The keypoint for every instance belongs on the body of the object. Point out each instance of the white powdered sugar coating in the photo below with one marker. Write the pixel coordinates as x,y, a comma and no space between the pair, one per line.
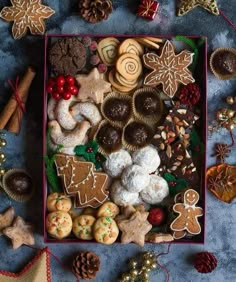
52,103
117,162
147,158
134,178
63,114
156,191
121,196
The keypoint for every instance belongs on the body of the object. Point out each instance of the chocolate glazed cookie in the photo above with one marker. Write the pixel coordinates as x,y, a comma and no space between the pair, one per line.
67,56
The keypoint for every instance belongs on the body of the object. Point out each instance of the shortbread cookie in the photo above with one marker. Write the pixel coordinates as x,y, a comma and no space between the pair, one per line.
70,138
115,83
130,46
148,42
123,81
88,111
63,114
79,179
129,66
148,158
116,162
105,230
108,209
20,233
58,202
157,238
156,191
135,179
59,224
121,196
6,218
187,220
135,228
169,75
107,49
83,227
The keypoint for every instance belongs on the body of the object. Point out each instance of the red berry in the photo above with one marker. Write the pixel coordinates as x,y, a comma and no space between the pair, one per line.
49,89
75,90
66,95
60,80
60,89
51,81
56,95
69,88
156,216
70,79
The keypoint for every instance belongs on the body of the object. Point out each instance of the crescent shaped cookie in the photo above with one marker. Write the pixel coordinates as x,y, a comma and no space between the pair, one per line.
63,114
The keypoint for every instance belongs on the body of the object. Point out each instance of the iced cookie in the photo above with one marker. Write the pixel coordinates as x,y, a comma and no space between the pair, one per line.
58,202
156,191
105,230
59,224
148,158
121,196
82,227
108,209
116,162
134,178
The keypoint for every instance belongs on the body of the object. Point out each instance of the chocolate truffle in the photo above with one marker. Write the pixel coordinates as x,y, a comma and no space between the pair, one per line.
117,109
137,134
19,183
147,103
224,62
109,137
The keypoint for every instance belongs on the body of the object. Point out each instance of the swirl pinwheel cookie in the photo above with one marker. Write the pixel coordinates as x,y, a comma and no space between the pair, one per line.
168,69
107,49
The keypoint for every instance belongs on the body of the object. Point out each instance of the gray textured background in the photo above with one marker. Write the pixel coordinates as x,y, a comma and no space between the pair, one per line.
25,149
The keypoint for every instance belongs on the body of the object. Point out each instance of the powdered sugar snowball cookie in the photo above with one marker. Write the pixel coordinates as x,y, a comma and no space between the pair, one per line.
156,191
134,178
121,196
116,162
148,158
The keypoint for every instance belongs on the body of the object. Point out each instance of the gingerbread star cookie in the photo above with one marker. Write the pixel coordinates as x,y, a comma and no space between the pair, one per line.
92,86
169,69
135,228
6,218
26,14
20,233
186,6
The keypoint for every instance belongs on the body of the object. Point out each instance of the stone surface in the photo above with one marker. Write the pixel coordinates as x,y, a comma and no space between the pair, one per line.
25,150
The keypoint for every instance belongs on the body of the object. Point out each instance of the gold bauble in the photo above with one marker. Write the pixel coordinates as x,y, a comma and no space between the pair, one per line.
134,273
2,171
147,262
153,265
146,255
2,157
3,142
126,277
148,269
133,263
230,113
230,100
145,275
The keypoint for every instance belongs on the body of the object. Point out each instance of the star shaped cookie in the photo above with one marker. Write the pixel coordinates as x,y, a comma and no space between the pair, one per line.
26,14
135,228
186,6
169,69
20,233
6,218
92,86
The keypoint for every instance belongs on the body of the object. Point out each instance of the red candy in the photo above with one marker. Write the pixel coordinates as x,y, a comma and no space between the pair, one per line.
156,216
62,87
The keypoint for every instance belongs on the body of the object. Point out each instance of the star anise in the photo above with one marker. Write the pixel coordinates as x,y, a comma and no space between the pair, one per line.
221,152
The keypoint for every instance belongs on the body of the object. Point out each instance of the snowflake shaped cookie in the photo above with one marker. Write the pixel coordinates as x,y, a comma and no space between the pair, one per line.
169,69
26,14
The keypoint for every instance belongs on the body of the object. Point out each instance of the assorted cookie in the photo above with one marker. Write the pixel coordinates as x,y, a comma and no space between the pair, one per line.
107,108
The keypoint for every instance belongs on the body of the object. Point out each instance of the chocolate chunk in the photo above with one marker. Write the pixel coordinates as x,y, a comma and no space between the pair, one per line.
109,137
147,103
19,183
117,109
225,62
67,56
137,134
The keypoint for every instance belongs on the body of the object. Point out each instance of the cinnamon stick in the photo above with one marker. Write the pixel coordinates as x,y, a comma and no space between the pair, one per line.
12,113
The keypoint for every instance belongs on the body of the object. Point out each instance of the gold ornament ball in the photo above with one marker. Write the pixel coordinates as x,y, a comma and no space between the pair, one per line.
2,171
145,275
144,280
134,273
230,100
230,126
126,277
153,265
3,142
230,113
133,263
219,115
147,262
2,157
148,269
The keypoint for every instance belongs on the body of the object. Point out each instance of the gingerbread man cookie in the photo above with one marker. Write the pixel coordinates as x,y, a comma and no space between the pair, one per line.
187,221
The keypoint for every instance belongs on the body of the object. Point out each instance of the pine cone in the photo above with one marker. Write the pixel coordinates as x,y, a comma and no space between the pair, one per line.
189,94
95,11
86,265
205,262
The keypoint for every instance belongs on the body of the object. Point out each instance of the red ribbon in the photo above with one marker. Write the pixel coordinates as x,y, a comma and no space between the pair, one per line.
147,6
227,20
162,266
20,103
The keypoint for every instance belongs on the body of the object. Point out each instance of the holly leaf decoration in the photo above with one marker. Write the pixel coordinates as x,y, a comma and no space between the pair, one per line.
196,146
176,185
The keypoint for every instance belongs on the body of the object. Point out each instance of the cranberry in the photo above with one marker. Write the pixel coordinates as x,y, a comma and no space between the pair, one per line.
56,95
60,89
70,79
66,95
49,89
51,81
69,88
75,90
60,80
